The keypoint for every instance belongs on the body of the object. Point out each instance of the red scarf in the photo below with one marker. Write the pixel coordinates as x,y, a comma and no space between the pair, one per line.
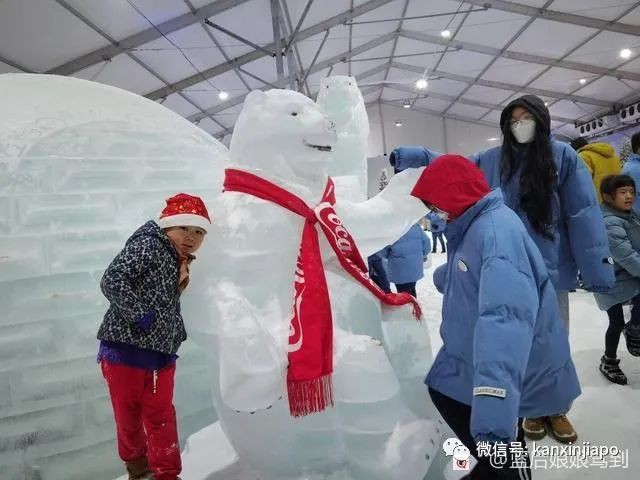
310,348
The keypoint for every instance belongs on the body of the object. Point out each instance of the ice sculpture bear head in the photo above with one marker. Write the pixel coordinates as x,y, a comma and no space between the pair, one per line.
339,96
283,134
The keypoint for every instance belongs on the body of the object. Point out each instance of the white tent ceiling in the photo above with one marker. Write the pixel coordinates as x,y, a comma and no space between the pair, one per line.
566,51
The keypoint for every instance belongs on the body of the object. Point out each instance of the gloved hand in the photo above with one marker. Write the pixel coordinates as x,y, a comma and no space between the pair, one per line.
145,323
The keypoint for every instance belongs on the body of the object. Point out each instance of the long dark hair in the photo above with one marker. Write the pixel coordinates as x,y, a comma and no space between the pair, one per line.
537,177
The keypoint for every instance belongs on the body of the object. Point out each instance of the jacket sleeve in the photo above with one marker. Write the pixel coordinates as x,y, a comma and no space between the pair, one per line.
426,244
585,225
123,272
440,277
502,341
622,251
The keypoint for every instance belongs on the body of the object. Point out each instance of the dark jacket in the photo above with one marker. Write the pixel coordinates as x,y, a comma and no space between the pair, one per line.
411,157
143,278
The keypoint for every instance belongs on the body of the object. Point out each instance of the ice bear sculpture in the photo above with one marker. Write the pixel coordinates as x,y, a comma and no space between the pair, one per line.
340,98
81,166
375,430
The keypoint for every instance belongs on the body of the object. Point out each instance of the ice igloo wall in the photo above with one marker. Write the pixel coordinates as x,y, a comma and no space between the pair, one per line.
81,166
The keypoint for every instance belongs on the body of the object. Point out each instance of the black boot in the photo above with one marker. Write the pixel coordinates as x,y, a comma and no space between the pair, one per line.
610,368
632,337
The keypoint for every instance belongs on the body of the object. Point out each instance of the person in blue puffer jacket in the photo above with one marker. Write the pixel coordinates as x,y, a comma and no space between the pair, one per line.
505,352
405,259
437,227
550,189
632,166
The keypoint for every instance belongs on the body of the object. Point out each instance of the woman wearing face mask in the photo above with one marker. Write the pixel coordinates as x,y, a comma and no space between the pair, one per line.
550,189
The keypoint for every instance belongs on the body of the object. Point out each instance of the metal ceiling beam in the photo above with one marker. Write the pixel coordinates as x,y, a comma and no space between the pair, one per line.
449,116
146,36
97,29
255,55
495,58
15,65
522,57
558,16
503,85
315,57
591,37
238,100
395,42
300,22
236,69
463,100
277,39
291,45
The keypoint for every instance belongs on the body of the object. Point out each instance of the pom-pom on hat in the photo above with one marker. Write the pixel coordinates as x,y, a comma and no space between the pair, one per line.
451,183
184,210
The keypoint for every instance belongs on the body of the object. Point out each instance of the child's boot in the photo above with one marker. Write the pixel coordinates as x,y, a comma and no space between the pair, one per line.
610,368
138,468
632,336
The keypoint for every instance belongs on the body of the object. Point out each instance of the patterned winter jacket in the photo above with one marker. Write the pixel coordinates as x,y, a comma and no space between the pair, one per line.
143,278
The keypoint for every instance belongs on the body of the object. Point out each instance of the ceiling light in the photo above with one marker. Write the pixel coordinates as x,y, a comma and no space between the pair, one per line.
625,53
583,81
493,139
398,123
421,84
546,104
445,34
406,104
223,95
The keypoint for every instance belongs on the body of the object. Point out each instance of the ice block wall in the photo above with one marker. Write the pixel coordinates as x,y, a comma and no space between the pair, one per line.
81,166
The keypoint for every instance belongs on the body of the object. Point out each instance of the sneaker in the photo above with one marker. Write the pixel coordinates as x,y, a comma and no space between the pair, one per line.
632,337
535,428
562,429
610,368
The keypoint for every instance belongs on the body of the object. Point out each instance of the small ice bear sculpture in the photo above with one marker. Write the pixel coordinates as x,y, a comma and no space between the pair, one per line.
340,98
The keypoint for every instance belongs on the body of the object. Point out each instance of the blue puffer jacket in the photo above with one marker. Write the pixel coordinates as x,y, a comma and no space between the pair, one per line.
437,224
632,168
580,237
411,157
623,230
405,256
505,352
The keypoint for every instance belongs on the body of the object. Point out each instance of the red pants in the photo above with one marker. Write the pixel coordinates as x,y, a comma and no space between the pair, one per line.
145,416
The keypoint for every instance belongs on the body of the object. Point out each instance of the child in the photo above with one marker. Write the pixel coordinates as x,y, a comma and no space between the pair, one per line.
505,353
141,333
623,228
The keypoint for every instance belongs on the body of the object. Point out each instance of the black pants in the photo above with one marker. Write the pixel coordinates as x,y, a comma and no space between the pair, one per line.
458,417
378,274
436,236
407,287
616,325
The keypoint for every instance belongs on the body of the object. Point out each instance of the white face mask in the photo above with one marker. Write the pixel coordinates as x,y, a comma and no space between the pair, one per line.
524,130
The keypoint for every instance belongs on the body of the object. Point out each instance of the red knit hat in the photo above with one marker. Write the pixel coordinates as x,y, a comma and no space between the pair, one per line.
451,183
184,210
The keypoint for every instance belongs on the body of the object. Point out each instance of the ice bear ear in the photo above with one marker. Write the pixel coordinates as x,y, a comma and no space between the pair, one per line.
255,98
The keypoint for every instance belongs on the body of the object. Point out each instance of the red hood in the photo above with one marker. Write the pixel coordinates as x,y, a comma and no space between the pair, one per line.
452,183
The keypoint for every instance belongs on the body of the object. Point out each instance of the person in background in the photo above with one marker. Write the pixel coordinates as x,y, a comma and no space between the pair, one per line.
600,158
405,259
624,151
505,352
551,191
623,229
632,166
142,330
437,226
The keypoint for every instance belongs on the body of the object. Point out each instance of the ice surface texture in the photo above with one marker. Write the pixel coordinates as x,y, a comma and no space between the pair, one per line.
340,98
379,428
81,166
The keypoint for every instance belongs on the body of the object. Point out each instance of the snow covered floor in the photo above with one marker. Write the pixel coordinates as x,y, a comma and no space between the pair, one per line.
604,415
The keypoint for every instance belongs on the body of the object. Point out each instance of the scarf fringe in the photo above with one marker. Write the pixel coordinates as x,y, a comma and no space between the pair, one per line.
310,396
